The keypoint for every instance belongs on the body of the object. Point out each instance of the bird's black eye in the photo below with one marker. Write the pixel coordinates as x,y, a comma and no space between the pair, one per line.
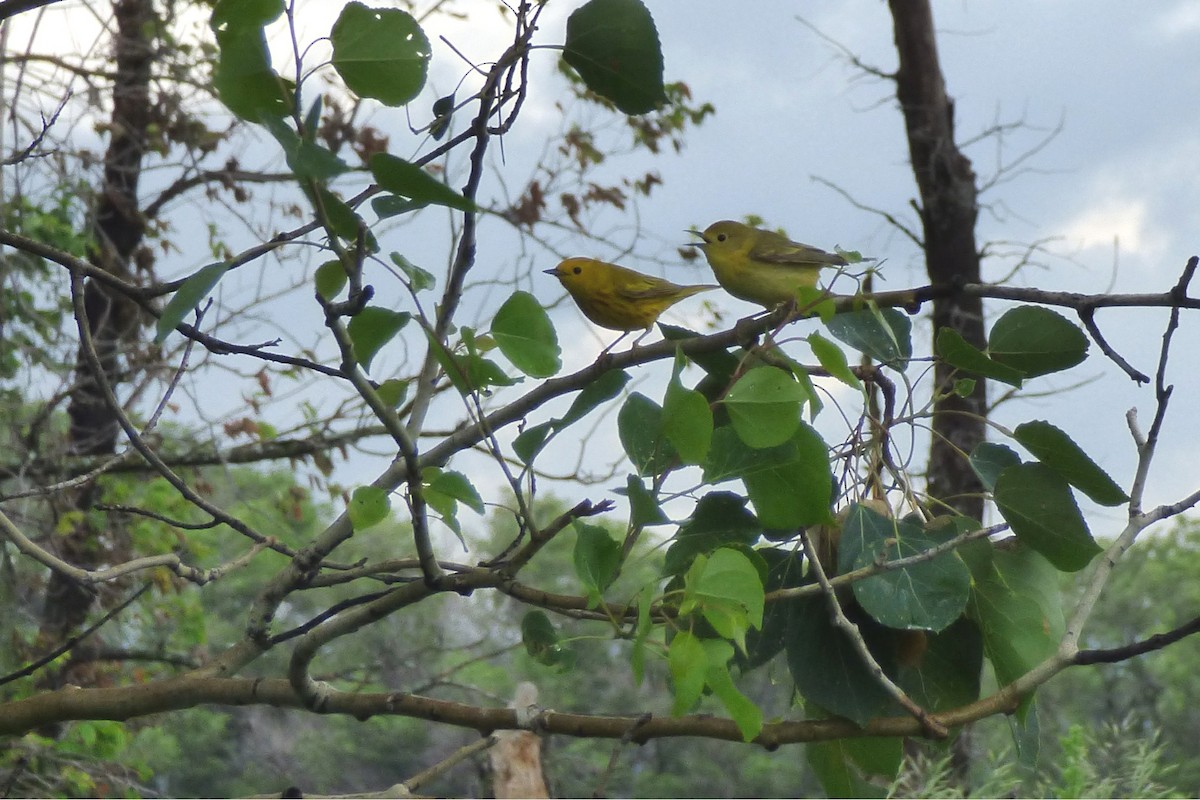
578,270
720,237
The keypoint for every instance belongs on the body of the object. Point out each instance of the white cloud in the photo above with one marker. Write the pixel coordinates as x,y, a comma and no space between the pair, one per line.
1180,21
1112,217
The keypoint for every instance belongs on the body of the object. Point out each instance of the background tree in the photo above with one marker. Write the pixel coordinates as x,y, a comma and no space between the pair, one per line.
743,556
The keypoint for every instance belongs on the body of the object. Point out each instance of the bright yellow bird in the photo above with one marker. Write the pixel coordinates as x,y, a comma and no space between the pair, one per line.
761,266
618,298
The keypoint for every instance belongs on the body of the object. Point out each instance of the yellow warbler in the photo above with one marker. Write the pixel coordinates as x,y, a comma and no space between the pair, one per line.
761,266
618,298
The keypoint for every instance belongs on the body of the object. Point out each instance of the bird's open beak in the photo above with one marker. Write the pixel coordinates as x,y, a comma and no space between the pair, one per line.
695,244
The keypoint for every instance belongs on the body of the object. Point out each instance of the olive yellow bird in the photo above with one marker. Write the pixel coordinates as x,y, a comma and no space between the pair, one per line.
761,266
618,298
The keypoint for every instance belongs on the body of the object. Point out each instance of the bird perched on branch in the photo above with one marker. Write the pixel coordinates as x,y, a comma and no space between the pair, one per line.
617,298
761,266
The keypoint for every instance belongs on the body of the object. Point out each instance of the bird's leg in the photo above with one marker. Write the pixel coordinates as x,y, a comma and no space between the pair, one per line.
616,342
644,334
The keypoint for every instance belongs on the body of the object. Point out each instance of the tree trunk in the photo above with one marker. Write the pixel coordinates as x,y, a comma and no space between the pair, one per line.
949,209
118,229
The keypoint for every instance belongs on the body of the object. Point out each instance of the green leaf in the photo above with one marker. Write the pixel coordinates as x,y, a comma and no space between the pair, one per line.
719,519
455,485
745,714
245,13
826,668
834,768
305,157
833,360
540,638
1017,604
386,206
393,391
443,112
791,485
601,390
1037,341
687,420
727,589
614,47
929,595
947,674
1026,732
471,372
408,180
372,328
764,406
639,427
243,77
810,392
958,352
189,295
369,505
643,506
536,628
641,634
330,278
785,570
529,442
418,278
1057,450
1037,503
525,335
342,219
380,53
688,663
989,460
597,560
964,387
883,334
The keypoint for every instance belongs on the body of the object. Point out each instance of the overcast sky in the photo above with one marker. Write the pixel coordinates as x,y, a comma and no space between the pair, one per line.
1113,192
1118,79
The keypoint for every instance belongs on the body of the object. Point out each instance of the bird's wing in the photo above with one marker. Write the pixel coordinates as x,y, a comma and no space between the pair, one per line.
776,249
645,289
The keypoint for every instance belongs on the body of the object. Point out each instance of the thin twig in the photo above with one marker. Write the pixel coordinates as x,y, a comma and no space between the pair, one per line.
1087,315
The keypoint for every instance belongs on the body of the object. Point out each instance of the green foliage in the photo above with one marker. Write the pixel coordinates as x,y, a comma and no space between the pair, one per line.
613,45
524,334
371,329
597,559
380,53
368,506
929,595
687,420
188,296
884,334
958,352
832,359
243,78
1039,506
409,181
1056,450
705,587
1016,603
764,407
1036,341
1111,761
